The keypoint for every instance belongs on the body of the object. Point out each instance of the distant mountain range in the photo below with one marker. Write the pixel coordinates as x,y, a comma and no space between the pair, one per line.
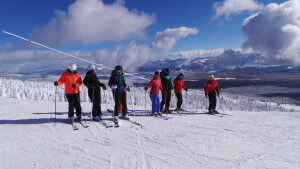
217,60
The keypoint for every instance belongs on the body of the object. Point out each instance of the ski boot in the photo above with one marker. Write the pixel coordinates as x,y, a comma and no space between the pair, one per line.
96,118
116,121
125,117
216,112
77,119
100,117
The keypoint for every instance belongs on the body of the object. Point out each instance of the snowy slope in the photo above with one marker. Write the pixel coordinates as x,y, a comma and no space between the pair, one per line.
29,139
254,134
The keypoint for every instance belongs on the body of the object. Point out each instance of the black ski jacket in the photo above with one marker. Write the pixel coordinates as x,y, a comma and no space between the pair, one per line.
92,82
166,82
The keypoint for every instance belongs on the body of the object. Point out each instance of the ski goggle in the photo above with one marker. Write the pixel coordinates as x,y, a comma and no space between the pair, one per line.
181,77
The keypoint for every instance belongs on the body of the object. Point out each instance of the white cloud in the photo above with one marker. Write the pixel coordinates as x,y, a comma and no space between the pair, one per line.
91,21
275,32
137,55
168,38
231,7
131,57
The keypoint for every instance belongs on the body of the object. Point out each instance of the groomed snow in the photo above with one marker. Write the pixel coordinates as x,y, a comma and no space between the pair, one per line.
29,139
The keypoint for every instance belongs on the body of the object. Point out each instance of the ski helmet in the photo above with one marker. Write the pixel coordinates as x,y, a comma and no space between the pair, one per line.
168,70
72,66
180,75
92,67
119,68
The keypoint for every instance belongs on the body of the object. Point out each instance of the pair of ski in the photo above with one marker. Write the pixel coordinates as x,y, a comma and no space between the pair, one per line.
75,127
218,114
164,117
117,124
161,116
129,120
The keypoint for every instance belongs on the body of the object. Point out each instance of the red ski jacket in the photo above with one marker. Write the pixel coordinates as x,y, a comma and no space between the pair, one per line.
210,86
68,79
179,85
155,85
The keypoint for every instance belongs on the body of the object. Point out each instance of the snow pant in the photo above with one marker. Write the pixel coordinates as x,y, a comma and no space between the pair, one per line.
212,100
120,98
166,98
74,102
179,100
155,102
95,97
121,106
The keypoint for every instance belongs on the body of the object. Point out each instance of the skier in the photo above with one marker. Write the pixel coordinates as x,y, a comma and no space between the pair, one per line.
167,86
211,90
72,80
118,85
155,85
178,86
93,84
124,76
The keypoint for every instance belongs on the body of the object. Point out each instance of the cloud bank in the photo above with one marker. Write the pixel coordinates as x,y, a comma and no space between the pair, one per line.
135,55
91,21
232,7
130,57
275,32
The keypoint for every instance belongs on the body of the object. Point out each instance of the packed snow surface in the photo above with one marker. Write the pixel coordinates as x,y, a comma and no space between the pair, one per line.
29,138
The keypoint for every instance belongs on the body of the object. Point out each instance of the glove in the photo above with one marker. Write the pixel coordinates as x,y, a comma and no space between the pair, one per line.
114,86
206,96
103,87
146,87
55,83
127,88
186,89
73,85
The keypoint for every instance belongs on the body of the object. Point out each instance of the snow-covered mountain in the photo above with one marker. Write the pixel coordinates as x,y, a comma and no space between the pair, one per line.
216,61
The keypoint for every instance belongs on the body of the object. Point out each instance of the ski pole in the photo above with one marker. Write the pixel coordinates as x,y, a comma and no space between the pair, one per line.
145,102
55,103
78,98
105,101
130,98
220,100
91,116
186,99
222,104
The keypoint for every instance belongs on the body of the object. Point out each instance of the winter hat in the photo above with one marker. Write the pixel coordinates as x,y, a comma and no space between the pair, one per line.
72,66
156,72
92,67
119,68
212,76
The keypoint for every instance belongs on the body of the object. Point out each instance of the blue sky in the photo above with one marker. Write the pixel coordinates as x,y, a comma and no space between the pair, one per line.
134,32
21,17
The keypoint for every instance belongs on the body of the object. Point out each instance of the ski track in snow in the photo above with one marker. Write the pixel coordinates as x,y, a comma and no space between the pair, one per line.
30,139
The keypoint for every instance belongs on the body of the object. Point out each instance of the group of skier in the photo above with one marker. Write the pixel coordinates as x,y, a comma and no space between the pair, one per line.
161,81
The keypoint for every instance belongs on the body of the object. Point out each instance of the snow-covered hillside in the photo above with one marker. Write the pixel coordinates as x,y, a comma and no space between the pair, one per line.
193,99
29,138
